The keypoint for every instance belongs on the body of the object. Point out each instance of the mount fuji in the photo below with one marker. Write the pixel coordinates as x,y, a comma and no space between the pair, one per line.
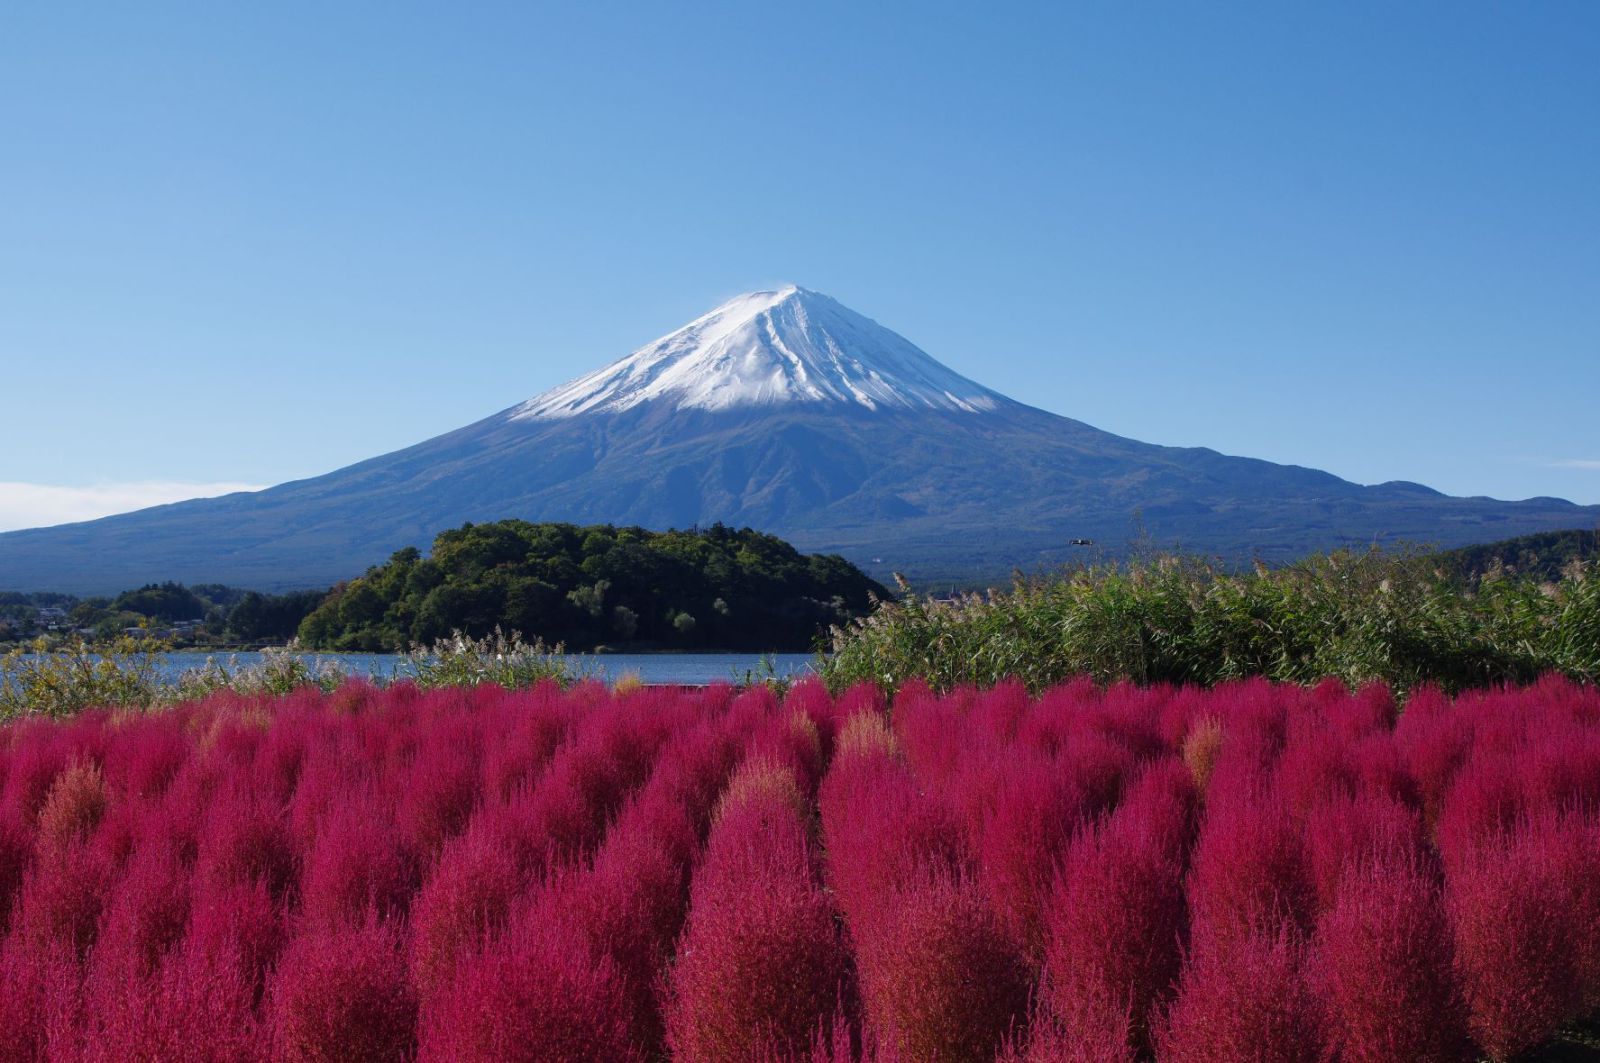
785,411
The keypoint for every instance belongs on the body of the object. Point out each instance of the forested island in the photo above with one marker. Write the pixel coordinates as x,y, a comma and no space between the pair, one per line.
598,586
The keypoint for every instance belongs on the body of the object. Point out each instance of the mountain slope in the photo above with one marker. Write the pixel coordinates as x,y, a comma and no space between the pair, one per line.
790,413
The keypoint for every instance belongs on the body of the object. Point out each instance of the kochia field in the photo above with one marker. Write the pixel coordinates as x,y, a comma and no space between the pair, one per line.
1251,872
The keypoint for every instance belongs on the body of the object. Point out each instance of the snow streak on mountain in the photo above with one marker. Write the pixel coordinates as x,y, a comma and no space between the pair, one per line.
770,349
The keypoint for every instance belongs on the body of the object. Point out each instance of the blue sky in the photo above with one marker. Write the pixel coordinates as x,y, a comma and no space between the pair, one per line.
244,244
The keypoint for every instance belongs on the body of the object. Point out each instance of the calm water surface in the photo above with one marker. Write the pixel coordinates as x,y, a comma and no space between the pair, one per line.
689,668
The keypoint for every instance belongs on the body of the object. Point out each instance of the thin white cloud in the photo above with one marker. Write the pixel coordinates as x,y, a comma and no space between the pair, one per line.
25,505
1577,463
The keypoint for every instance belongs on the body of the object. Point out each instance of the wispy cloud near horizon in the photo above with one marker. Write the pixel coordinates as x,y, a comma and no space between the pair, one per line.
29,505
1576,463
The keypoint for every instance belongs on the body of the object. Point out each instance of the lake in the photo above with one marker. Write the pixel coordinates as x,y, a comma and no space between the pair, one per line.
691,669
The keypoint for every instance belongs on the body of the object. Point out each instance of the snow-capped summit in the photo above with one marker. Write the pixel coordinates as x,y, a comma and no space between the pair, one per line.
764,349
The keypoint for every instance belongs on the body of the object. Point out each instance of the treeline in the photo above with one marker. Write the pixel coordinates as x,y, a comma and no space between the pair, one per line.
209,613
712,588
1546,556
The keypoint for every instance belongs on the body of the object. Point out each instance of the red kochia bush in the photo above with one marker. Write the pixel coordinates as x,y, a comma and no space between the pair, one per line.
1243,997
1038,805
63,894
1382,967
1358,832
467,896
196,1005
760,968
16,852
146,917
341,994
1523,916
562,875
38,999
1249,868
359,863
539,993
939,980
73,807
245,839
1115,926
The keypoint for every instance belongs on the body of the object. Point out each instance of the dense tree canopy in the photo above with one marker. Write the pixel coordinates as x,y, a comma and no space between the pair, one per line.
704,588
162,601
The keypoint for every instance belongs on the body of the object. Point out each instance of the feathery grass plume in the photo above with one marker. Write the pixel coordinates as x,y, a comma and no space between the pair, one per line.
1381,965
502,659
1518,907
1243,997
938,980
1115,925
340,995
760,967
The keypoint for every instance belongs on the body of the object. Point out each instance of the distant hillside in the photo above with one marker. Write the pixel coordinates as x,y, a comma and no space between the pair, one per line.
204,614
715,588
1544,556
785,411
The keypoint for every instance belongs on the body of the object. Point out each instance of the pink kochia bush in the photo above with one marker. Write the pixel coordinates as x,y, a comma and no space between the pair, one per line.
760,968
1253,872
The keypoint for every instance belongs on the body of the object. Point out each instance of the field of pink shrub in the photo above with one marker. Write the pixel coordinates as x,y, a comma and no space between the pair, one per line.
1253,872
